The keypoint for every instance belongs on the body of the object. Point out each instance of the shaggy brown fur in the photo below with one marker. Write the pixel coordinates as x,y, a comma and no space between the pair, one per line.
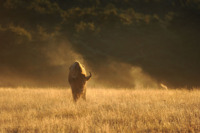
77,79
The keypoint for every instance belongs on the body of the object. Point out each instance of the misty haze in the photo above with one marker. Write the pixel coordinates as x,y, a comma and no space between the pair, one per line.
40,39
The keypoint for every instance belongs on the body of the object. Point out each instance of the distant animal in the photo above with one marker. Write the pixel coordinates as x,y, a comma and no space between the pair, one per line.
77,79
164,86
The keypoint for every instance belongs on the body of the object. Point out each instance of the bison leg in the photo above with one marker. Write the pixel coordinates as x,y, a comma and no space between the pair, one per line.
75,97
84,95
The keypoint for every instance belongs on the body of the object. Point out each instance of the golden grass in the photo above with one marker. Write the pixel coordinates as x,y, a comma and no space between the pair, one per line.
106,110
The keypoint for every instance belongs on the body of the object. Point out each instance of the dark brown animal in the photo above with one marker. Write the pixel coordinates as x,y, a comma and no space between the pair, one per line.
77,79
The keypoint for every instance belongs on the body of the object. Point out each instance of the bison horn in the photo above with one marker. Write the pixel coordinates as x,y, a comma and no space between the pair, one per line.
88,77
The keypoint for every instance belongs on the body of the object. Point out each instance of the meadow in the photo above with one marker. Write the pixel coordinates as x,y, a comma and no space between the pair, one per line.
106,110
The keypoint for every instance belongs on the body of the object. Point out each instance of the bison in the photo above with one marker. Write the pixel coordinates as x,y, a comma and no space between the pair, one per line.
77,79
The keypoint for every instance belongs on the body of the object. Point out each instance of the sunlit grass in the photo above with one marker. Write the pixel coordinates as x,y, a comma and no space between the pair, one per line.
106,110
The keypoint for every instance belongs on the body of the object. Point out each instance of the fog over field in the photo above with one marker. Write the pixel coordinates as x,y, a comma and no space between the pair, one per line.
124,43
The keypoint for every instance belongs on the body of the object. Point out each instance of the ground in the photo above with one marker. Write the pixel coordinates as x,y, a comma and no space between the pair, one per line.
106,110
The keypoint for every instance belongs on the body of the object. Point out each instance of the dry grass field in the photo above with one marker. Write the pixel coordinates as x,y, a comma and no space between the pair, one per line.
106,110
